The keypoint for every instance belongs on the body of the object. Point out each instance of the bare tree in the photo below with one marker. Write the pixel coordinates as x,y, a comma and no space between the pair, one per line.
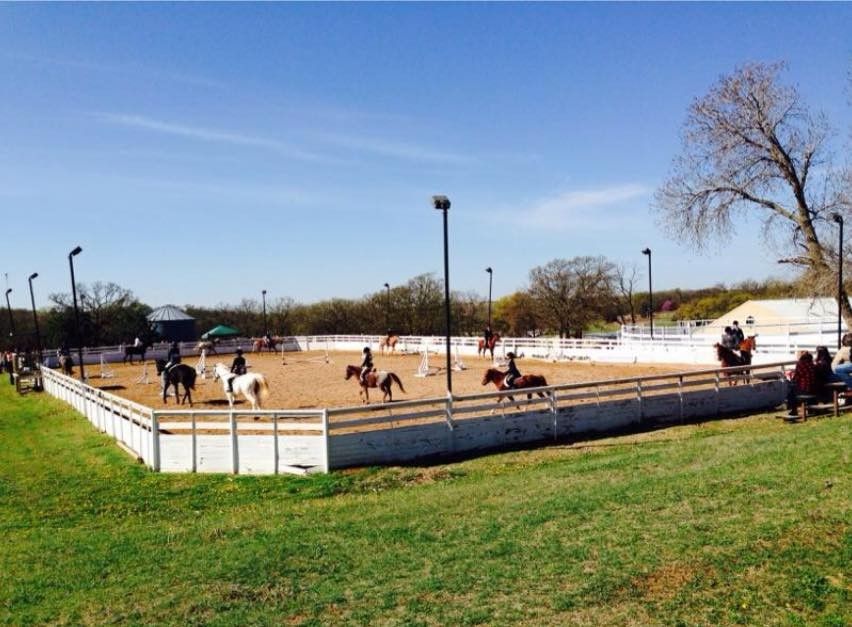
625,279
751,146
570,293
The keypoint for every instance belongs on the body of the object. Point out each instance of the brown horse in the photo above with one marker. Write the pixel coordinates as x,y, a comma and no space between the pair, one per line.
491,344
389,343
729,359
381,380
260,343
497,377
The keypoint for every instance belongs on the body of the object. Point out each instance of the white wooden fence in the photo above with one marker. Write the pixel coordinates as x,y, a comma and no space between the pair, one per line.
273,441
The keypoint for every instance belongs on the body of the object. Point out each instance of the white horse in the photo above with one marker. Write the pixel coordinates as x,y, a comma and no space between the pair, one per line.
252,386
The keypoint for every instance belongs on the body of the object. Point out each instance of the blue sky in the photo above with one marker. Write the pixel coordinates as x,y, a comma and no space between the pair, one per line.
202,152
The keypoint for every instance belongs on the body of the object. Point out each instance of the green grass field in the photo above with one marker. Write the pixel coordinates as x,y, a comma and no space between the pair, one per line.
731,522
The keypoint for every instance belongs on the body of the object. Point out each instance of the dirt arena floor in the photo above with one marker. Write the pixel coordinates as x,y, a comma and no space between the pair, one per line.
306,381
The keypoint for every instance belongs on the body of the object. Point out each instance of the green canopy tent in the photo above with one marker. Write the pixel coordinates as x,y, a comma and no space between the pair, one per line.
219,332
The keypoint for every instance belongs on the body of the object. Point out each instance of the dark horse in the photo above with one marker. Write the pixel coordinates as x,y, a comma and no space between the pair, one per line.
491,344
130,351
179,374
381,380
729,358
497,377
66,362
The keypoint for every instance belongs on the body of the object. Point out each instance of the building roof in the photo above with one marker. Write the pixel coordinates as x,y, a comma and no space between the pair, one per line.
791,309
168,313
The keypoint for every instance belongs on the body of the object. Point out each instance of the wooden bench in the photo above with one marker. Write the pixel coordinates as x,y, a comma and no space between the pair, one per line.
838,389
25,381
802,402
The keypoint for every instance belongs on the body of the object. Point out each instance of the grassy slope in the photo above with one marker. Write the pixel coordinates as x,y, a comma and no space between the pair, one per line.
739,521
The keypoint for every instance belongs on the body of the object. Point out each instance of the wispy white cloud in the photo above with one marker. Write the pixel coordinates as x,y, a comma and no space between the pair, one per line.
213,135
580,208
397,150
123,70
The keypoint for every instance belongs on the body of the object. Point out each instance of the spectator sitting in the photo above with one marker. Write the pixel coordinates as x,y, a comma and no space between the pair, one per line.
842,362
823,371
804,380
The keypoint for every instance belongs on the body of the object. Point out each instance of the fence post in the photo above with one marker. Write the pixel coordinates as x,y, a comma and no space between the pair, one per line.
680,395
450,423
235,453
554,408
325,438
194,444
275,454
155,442
639,399
717,392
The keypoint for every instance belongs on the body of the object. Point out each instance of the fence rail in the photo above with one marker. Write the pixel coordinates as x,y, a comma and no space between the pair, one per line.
300,441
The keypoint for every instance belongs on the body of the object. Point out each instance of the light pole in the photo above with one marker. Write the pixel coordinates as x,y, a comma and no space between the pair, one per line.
839,219
11,320
265,326
442,203
647,251
490,276
71,256
35,317
387,308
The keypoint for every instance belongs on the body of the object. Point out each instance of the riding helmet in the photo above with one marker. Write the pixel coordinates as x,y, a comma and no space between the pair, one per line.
366,350
510,355
239,351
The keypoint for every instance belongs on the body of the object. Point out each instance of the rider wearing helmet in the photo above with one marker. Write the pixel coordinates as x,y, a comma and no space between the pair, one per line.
238,367
487,335
366,364
172,359
512,371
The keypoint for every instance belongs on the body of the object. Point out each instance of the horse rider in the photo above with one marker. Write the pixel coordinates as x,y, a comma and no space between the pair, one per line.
366,364
172,359
737,332
488,334
137,342
512,372
267,339
729,341
238,368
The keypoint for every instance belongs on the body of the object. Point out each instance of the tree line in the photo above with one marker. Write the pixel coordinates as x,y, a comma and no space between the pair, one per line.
564,297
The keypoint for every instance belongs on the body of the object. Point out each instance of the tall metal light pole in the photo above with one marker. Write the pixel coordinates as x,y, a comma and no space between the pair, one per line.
265,326
71,256
647,251
442,203
11,320
35,317
839,219
387,308
490,276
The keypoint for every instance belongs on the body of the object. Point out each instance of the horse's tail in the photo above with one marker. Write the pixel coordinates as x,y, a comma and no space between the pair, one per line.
261,387
398,382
